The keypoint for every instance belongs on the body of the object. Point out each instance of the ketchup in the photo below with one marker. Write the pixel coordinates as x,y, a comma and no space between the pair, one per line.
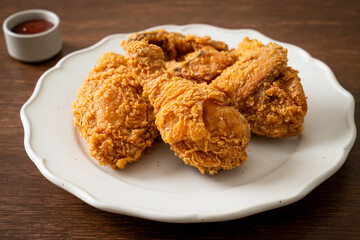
32,27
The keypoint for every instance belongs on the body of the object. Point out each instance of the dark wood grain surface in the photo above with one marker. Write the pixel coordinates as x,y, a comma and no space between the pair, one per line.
31,207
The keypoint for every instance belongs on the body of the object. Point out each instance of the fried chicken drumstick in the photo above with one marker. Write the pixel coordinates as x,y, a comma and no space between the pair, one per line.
110,113
195,119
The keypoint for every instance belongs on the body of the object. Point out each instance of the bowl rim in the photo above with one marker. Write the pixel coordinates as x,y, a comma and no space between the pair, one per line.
41,13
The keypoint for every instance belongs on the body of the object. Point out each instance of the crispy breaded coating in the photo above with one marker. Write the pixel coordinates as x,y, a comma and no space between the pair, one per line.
265,90
195,119
277,109
252,69
111,114
191,57
204,64
175,45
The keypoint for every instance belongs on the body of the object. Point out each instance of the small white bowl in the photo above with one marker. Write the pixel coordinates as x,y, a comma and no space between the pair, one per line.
32,47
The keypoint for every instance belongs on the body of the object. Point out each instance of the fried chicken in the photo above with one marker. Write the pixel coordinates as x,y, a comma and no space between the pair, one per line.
265,90
271,109
204,64
175,45
195,119
191,57
111,114
277,109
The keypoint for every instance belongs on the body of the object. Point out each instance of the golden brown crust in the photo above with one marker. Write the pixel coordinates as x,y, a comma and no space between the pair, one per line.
277,109
242,79
175,45
110,113
195,119
204,64
265,90
191,57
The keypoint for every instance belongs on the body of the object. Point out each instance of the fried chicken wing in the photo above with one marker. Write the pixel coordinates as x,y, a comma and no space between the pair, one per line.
175,45
195,119
265,90
110,113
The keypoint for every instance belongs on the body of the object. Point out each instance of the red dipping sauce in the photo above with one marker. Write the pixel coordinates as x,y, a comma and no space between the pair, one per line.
32,27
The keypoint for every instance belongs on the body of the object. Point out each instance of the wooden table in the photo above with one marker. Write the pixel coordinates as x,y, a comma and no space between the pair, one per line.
31,207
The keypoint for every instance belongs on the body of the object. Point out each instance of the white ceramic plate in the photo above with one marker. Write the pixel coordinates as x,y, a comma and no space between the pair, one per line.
160,187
